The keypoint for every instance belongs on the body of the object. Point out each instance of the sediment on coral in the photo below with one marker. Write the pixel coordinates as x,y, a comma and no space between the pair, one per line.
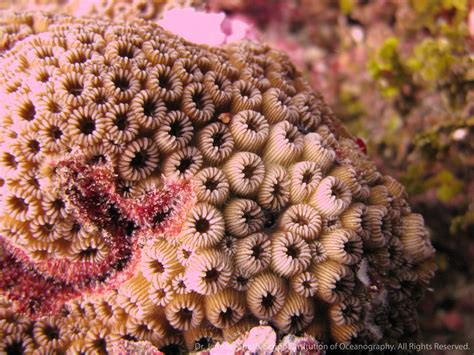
154,190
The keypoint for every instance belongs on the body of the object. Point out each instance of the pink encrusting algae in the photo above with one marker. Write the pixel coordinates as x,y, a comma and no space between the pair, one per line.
163,191
42,287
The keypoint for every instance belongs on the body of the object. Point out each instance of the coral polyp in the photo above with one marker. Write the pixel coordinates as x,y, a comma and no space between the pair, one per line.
158,190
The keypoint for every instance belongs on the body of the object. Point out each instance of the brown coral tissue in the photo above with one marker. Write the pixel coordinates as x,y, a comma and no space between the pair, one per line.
132,211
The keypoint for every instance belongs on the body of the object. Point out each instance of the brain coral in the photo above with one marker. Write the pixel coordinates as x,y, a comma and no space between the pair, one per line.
153,189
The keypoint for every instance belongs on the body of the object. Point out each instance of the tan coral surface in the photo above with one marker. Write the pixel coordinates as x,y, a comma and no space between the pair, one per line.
117,10
292,225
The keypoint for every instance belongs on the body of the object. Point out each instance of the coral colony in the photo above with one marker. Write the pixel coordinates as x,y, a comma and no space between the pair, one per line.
157,190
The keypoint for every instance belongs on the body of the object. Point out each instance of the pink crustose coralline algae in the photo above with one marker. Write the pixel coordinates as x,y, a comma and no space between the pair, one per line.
157,190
